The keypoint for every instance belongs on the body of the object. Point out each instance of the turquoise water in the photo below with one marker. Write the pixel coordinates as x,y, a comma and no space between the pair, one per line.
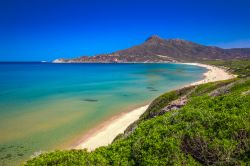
47,106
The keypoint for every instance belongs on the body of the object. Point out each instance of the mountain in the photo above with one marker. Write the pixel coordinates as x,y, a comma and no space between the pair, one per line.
156,49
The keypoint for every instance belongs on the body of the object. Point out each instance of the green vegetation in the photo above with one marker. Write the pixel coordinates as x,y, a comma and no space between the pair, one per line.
213,128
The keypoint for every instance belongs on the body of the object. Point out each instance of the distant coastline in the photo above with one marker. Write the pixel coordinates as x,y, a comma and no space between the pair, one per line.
105,133
159,50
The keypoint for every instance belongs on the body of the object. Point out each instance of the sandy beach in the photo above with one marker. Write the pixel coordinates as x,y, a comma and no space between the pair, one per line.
213,74
105,134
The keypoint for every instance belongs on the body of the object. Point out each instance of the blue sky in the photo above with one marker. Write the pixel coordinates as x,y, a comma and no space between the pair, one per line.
34,30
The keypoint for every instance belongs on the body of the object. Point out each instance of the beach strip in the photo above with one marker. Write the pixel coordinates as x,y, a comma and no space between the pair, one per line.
106,134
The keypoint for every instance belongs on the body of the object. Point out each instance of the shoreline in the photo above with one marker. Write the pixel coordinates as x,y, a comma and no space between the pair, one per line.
213,74
104,134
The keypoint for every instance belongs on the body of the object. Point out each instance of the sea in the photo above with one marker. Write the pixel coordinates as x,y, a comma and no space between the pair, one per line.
47,106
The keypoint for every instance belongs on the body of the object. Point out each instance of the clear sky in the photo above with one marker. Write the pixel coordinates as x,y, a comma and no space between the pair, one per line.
33,30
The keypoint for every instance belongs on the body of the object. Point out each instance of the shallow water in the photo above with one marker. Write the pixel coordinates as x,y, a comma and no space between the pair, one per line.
47,106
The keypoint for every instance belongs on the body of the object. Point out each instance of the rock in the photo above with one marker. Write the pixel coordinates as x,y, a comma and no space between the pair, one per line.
90,100
222,90
246,92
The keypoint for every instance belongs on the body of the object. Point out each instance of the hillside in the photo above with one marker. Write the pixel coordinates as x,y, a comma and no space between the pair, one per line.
212,127
156,49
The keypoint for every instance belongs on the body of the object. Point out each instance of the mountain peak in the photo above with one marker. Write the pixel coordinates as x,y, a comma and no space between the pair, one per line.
179,41
154,38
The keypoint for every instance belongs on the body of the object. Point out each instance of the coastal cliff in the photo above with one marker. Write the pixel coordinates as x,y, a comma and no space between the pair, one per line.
157,50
